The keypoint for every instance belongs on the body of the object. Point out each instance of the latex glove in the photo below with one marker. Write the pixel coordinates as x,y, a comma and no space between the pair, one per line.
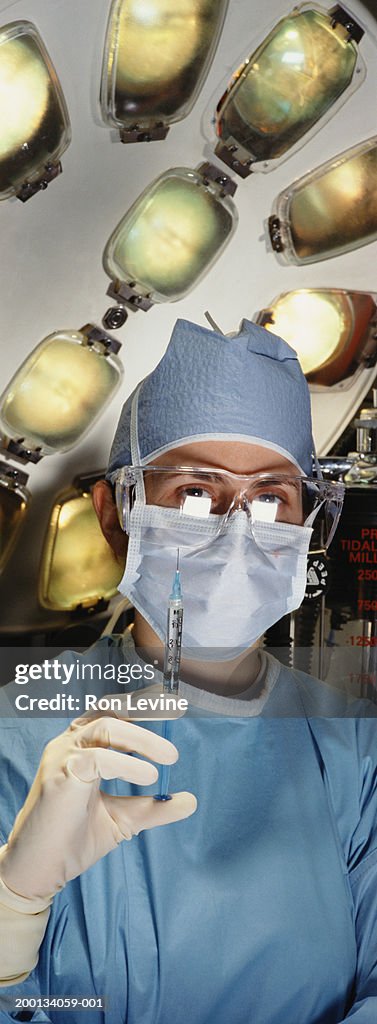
67,823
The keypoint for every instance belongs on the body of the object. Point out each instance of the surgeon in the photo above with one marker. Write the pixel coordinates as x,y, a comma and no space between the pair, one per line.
250,897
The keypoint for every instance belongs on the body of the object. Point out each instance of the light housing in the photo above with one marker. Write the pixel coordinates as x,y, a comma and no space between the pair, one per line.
332,330
171,236
35,126
329,211
14,500
59,391
157,55
295,80
78,567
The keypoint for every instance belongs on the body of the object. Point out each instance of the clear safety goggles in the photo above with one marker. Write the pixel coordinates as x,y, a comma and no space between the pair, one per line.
203,492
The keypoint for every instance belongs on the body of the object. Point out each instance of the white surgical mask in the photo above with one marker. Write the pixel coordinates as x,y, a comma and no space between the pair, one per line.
236,584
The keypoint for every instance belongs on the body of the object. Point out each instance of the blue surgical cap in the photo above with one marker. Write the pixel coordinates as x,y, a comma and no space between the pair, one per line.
248,387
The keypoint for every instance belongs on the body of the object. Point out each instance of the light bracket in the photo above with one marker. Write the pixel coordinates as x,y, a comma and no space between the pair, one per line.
274,230
341,17
29,189
128,299
14,474
211,173
97,335
139,133
19,451
236,157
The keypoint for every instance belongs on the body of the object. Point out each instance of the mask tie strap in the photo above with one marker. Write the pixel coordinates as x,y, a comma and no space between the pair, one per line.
134,440
319,476
317,467
313,515
120,607
135,450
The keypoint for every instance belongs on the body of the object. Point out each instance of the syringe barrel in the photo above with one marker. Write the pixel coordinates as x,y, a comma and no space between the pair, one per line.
173,645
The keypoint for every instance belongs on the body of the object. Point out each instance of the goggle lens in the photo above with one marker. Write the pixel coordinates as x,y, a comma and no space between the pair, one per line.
201,493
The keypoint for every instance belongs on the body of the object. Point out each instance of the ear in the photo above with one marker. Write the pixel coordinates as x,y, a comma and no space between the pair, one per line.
107,516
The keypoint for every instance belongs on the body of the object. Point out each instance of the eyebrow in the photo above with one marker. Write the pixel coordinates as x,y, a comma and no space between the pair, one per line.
216,474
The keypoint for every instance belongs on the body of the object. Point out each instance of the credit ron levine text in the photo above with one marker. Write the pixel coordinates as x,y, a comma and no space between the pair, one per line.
130,704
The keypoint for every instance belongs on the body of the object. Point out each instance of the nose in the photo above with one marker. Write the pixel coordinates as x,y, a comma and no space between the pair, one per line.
239,504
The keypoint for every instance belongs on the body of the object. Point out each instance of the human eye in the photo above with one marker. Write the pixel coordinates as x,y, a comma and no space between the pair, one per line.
197,499
195,491
202,494
269,492
184,491
281,495
269,498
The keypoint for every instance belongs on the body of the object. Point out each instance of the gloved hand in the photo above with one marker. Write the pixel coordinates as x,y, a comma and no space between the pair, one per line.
67,823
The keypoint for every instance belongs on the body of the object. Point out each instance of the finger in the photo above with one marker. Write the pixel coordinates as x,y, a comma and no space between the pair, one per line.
113,732
93,763
134,813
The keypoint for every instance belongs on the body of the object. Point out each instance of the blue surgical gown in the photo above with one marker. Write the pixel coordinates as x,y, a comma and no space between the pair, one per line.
261,908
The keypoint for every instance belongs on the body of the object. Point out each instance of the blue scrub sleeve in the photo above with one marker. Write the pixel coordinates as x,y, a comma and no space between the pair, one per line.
362,876
39,1017
363,880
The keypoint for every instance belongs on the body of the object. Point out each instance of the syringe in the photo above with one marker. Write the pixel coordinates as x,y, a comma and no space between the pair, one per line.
172,661
173,644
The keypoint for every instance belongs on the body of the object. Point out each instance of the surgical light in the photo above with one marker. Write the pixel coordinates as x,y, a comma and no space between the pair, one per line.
157,55
298,76
333,331
329,211
59,391
78,567
170,237
14,499
35,127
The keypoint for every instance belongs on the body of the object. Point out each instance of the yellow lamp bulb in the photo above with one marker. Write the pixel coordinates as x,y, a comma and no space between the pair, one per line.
24,94
157,39
58,392
156,57
78,566
312,324
170,236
